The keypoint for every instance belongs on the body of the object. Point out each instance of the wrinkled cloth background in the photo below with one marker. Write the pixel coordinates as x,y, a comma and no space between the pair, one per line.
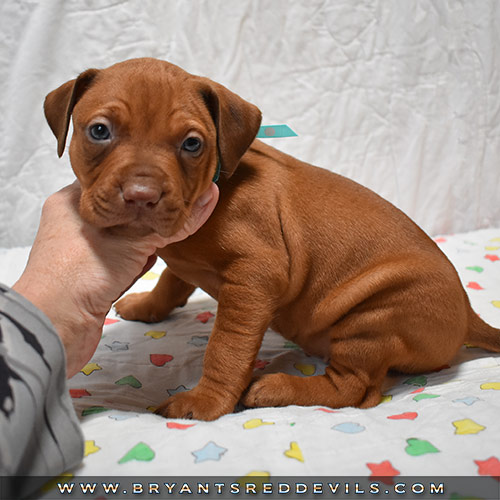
403,97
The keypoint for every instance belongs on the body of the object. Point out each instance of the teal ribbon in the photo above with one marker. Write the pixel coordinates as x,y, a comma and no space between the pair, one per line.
265,132
275,131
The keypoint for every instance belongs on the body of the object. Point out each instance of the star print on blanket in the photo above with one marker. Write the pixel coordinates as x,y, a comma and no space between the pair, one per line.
443,423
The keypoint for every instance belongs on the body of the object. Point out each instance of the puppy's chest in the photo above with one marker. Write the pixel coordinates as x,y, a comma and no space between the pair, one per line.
196,273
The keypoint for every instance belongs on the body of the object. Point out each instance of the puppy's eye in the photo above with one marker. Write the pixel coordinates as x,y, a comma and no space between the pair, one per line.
191,145
99,132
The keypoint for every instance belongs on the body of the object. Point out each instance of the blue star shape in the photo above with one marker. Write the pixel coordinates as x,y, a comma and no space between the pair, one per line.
469,400
198,340
118,346
210,451
181,388
119,416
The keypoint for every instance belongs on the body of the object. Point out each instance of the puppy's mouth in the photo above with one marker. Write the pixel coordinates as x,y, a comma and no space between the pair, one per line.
136,208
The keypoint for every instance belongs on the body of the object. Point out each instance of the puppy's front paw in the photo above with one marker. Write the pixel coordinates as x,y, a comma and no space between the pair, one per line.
194,405
140,307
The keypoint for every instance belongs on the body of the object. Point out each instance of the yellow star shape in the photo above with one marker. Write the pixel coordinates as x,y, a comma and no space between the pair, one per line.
90,368
90,447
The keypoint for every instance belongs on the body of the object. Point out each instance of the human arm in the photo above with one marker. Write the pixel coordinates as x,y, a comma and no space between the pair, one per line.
75,271
50,324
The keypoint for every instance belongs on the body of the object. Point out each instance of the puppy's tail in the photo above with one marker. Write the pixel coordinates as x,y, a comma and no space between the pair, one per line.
483,335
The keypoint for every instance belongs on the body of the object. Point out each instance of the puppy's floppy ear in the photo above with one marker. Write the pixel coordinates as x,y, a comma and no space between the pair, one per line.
60,102
236,120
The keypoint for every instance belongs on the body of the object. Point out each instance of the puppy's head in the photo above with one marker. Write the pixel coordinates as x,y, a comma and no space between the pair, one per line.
147,141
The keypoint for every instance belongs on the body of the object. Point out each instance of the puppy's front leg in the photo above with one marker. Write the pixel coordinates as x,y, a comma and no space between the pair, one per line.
170,292
243,316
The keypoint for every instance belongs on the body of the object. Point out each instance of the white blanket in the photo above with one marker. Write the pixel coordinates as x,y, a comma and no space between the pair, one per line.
440,424
403,97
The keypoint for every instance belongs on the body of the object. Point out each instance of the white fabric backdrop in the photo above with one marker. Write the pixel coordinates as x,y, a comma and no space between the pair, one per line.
403,97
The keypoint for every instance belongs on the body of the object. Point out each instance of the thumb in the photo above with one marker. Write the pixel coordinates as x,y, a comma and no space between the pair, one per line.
203,208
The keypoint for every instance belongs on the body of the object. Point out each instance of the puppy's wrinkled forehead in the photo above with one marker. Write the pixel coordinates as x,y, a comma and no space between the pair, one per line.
147,98
148,101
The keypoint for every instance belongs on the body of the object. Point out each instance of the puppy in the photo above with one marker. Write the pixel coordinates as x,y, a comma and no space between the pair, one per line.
320,259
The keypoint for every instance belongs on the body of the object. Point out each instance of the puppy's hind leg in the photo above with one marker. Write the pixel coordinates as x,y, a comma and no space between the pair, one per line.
346,382
170,292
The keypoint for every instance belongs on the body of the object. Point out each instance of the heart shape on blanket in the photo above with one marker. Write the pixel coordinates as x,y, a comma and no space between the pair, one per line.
419,381
409,415
255,422
204,316
417,447
491,385
141,452
160,359
79,393
474,285
478,269
420,397
181,427
92,410
154,334
349,428
129,380
150,275
294,452
306,370
492,257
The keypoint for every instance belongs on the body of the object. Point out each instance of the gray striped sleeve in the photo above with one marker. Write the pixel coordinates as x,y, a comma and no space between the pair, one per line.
39,431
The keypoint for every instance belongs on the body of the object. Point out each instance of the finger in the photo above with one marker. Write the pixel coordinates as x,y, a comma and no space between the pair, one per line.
203,208
207,196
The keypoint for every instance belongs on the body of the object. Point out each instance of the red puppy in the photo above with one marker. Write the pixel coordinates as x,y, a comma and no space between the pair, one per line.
322,260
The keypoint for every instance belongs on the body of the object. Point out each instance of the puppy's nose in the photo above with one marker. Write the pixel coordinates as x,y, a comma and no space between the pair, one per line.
141,194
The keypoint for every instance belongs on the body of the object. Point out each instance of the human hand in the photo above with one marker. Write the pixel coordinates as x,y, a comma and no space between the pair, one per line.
75,271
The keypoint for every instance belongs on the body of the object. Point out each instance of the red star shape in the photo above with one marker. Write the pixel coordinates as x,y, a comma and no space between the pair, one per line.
490,467
384,471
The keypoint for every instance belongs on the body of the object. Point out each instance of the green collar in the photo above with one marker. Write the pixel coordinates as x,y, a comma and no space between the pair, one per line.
217,172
